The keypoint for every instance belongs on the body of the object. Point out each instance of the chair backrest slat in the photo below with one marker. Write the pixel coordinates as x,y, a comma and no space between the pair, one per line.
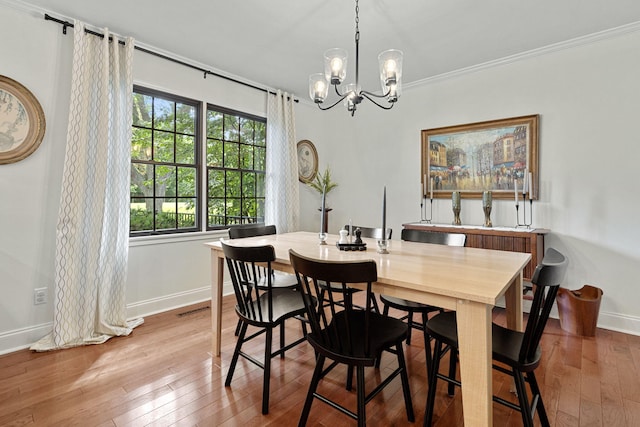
251,230
373,233
547,278
449,239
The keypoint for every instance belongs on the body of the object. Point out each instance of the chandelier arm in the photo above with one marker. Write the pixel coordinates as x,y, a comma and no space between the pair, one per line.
384,95
332,105
338,92
379,105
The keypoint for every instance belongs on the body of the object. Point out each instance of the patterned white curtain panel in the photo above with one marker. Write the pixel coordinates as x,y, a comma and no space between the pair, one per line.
282,206
92,241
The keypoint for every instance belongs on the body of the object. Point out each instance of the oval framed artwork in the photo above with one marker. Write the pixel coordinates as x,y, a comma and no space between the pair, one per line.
307,161
22,122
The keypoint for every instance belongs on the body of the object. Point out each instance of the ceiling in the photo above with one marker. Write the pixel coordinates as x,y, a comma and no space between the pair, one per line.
278,43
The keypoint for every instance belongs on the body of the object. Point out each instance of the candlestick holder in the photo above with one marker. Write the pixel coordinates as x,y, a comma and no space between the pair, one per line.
524,222
455,203
423,210
383,246
487,200
322,238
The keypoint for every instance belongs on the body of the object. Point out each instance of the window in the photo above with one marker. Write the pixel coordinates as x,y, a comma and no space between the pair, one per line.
168,151
236,157
164,163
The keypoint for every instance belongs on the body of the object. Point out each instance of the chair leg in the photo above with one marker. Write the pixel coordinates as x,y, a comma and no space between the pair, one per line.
236,353
374,303
453,360
404,377
282,339
238,326
349,385
362,415
525,408
427,342
385,310
315,379
433,380
410,323
535,390
267,371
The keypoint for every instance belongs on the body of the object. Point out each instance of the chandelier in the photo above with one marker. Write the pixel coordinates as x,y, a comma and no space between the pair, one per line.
335,70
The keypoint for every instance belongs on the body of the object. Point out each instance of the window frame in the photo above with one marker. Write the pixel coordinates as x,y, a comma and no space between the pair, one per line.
197,165
207,168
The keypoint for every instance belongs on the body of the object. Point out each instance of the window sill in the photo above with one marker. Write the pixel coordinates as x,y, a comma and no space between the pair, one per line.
177,238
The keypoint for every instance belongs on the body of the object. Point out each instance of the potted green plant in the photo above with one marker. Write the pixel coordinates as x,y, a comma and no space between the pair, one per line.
323,181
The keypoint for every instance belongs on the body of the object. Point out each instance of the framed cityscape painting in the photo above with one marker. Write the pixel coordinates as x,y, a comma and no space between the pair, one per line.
500,156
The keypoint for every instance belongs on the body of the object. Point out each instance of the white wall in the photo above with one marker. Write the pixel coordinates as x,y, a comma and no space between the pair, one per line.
587,97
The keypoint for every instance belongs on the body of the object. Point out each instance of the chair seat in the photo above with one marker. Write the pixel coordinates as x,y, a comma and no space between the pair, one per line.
286,303
506,342
348,342
406,305
279,280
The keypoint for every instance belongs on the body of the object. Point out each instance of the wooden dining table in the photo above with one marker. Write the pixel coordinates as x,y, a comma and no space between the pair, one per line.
467,280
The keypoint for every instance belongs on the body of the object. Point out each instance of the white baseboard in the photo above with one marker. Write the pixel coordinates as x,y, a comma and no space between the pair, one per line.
20,339
611,321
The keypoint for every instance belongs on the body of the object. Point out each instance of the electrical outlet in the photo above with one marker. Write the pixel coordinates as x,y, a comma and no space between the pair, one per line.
40,296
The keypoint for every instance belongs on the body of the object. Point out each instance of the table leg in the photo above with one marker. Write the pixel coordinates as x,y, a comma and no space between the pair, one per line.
217,282
474,341
513,304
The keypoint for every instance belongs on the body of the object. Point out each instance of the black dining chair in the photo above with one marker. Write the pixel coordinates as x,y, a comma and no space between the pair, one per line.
348,336
264,310
410,307
279,279
519,351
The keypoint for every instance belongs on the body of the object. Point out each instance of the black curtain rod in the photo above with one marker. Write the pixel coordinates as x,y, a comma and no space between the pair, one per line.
66,24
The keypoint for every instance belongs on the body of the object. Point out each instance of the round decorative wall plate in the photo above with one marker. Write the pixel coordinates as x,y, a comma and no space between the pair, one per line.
22,121
307,161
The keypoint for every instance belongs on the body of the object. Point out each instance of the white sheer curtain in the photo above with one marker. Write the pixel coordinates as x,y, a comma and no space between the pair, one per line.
282,206
92,240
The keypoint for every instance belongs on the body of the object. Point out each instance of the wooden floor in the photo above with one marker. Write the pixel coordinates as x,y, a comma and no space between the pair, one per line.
163,374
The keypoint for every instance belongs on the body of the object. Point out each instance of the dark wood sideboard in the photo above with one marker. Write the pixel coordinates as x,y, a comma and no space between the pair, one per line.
500,238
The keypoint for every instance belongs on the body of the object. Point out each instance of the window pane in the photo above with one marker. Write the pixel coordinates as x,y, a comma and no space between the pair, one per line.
249,209
214,124
246,130
185,149
185,119
186,182
216,213
260,158
248,184
260,209
163,150
231,126
142,110
259,185
261,134
214,153
233,184
246,157
216,183
164,116
165,181
140,144
165,214
141,215
141,180
234,212
186,213
231,155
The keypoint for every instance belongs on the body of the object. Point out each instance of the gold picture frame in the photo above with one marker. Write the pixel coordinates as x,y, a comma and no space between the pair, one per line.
307,161
22,122
495,155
